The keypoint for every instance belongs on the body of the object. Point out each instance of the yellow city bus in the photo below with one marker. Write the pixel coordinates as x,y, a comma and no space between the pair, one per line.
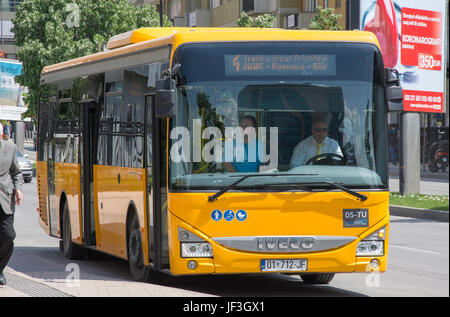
136,142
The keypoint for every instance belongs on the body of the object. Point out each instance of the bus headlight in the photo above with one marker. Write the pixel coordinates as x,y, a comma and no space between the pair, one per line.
373,245
192,246
370,248
196,250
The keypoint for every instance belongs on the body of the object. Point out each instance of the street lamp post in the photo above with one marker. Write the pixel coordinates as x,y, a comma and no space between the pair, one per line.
161,13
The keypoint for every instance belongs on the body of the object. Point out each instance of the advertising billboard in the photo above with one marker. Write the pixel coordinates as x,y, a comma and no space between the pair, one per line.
412,38
11,98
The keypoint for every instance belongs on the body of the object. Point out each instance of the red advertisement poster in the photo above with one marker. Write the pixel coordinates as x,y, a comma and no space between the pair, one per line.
421,38
426,101
411,35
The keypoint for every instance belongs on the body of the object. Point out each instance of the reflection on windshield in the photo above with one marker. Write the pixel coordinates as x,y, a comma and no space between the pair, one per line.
222,129
265,108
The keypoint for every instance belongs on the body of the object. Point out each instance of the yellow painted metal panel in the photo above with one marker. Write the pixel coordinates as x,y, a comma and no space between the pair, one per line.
112,201
274,214
290,213
67,180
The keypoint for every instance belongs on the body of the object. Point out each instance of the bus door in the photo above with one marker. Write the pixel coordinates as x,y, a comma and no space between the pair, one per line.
87,169
156,191
50,147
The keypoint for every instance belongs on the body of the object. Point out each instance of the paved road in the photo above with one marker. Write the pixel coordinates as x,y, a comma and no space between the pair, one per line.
418,266
428,186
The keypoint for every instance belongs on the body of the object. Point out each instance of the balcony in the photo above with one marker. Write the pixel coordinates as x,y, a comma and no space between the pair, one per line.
150,2
198,18
257,7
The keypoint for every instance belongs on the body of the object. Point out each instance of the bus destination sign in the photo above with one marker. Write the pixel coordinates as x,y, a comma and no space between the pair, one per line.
280,65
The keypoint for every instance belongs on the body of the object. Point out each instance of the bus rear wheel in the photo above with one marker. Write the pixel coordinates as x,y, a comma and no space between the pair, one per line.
317,278
138,270
71,250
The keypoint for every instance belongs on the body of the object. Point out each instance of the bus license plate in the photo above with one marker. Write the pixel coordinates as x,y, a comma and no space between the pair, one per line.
272,265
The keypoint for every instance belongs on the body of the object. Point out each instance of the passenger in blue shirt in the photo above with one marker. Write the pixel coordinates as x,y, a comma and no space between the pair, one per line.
251,148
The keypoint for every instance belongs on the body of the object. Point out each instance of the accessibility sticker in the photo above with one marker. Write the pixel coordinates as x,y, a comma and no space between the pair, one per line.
228,215
241,215
216,215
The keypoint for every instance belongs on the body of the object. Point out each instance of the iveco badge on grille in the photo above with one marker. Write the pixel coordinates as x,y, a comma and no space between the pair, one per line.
285,243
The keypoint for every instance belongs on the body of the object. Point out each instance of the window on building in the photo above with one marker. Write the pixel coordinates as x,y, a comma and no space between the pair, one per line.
9,5
309,5
215,3
175,8
248,5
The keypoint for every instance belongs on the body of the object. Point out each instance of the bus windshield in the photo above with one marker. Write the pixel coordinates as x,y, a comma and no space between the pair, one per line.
311,113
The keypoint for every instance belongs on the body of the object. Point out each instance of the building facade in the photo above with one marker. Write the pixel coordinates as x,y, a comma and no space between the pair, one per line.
289,14
7,13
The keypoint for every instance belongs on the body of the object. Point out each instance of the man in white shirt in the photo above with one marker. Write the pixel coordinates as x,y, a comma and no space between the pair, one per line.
317,143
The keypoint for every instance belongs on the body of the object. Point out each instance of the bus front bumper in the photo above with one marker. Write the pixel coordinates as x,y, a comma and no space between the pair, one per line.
228,260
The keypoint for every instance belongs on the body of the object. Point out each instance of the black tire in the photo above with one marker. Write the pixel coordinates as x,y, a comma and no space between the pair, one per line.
27,180
432,167
317,278
138,270
71,250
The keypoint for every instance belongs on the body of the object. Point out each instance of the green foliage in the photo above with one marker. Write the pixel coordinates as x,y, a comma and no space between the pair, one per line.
325,19
435,202
53,31
261,21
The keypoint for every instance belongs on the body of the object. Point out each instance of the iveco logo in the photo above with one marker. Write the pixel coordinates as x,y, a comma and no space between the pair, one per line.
285,243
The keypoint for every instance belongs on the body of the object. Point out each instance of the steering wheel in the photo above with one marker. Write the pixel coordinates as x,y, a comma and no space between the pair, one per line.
328,158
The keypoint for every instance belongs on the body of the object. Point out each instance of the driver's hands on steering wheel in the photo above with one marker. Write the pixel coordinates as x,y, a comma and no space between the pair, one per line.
330,157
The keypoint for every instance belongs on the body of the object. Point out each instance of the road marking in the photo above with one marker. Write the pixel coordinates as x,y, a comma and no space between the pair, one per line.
33,288
413,249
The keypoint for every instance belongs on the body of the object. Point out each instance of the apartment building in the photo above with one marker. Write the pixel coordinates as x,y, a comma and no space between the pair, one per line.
289,14
7,13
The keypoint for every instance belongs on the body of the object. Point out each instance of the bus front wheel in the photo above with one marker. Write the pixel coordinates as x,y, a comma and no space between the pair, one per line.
138,270
317,278
71,250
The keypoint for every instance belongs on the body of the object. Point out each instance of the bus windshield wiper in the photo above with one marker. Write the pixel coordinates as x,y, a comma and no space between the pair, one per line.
244,177
345,189
307,187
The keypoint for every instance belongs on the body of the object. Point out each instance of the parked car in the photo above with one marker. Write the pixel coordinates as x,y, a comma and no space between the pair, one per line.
26,167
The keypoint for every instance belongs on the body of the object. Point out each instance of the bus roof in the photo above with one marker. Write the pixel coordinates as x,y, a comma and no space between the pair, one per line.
145,38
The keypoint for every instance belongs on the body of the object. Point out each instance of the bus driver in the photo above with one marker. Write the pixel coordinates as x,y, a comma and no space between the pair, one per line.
317,143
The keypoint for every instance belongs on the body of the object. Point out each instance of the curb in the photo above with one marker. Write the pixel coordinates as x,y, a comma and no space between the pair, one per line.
429,214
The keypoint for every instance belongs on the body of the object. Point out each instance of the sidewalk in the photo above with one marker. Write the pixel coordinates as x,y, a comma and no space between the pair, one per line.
431,184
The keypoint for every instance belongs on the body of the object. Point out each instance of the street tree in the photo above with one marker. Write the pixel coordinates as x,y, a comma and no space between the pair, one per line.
261,21
325,19
53,31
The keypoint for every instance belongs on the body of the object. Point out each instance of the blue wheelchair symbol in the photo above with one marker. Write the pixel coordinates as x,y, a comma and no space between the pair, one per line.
228,215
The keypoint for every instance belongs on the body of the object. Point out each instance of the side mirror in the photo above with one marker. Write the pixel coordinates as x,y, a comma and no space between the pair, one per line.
165,98
394,91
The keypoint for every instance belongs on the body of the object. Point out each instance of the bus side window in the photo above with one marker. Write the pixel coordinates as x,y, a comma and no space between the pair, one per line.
135,88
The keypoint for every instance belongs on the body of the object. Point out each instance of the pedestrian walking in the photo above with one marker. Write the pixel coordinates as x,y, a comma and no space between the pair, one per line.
10,195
